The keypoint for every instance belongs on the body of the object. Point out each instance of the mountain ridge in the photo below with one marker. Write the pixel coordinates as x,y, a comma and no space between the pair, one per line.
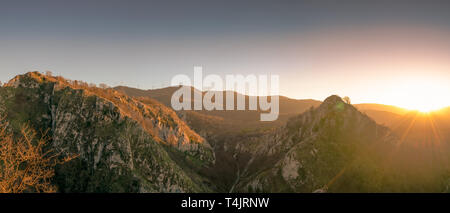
124,145
134,143
383,114
312,148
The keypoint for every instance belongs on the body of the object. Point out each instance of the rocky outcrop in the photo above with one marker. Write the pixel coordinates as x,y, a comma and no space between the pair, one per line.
315,148
124,145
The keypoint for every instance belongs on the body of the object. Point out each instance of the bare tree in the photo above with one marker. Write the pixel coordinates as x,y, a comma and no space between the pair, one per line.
24,165
103,86
48,73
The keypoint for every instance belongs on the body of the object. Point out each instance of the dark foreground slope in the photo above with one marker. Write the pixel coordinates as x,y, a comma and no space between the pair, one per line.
123,144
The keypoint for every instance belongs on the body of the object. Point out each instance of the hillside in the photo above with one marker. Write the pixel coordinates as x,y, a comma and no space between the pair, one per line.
244,146
336,148
233,121
382,114
123,144
314,148
135,143
384,118
381,107
229,132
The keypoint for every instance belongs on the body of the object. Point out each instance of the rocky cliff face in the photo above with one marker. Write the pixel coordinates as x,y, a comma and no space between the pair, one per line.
124,145
316,149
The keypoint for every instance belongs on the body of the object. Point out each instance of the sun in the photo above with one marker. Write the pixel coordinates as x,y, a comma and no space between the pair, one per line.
423,106
422,95
426,108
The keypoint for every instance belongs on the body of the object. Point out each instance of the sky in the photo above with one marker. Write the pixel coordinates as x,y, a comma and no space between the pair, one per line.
390,52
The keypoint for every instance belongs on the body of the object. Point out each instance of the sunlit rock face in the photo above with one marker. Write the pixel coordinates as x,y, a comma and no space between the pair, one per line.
123,144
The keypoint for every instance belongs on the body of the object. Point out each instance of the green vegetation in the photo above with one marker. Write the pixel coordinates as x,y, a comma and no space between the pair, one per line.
136,144
120,140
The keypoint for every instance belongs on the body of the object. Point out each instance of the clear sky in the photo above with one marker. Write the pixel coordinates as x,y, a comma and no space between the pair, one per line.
372,51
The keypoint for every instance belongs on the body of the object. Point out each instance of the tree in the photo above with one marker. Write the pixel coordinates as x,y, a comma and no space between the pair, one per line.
26,165
103,86
347,100
49,73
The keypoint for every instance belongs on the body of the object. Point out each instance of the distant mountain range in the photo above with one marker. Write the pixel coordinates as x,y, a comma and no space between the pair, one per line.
130,140
382,114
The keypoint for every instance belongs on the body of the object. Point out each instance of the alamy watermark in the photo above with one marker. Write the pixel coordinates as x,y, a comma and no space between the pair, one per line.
258,88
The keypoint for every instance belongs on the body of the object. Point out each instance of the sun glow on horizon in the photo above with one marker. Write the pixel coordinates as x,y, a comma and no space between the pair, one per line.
424,95
425,108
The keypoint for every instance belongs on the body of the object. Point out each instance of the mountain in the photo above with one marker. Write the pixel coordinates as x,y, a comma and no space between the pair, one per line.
130,140
384,118
236,119
250,153
381,107
314,149
124,145
382,114
336,148
229,132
